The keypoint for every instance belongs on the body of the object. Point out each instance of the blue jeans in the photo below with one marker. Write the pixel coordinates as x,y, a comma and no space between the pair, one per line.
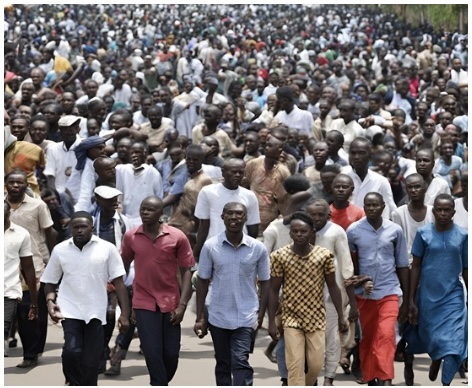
232,348
280,355
160,341
83,346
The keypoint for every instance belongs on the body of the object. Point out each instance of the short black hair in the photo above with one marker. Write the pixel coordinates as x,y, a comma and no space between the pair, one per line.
296,183
302,216
444,196
82,214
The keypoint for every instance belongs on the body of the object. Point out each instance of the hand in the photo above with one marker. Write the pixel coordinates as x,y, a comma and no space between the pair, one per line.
54,312
353,314
413,314
368,287
343,325
273,331
177,315
123,324
403,313
132,318
200,328
32,313
356,280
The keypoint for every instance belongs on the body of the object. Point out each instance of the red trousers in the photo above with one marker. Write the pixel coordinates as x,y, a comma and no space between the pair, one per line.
378,344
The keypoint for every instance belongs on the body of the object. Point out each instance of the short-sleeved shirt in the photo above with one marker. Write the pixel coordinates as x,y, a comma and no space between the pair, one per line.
233,271
83,290
156,263
17,244
303,281
345,217
380,252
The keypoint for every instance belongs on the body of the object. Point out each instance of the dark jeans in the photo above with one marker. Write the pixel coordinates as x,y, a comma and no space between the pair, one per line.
109,327
9,310
160,341
232,348
83,345
124,340
33,333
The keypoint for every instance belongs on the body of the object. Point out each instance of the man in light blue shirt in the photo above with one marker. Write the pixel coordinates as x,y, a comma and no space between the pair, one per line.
378,249
233,261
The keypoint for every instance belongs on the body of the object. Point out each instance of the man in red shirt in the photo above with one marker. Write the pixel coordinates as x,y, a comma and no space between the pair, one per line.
159,302
343,212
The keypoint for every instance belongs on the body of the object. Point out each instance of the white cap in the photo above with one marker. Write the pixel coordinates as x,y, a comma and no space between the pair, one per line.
67,121
107,192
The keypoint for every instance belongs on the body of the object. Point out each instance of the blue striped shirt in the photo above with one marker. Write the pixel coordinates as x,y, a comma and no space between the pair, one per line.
233,270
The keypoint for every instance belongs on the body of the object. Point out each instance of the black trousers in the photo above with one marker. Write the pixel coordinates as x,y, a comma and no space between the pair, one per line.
9,316
33,333
83,346
160,341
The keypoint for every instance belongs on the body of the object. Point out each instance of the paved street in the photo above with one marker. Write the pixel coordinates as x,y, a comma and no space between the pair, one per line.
196,364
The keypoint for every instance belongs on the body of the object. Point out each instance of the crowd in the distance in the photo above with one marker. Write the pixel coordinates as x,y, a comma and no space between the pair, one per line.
322,150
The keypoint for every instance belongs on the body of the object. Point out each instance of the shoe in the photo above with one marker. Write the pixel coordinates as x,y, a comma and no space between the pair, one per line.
28,363
360,380
345,364
284,382
114,370
408,374
12,343
434,370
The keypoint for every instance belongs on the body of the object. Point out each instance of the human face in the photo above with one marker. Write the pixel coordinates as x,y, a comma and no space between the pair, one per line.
342,188
324,109
150,212
373,207
146,104
176,154
95,152
16,185
443,212
233,175
51,115
69,134
251,143
25,111
91,89
273,147
429,127
374,106
194,161
135,103
446,119
359,155
92,127
107,171
38,131
320,152
67,102
99,111
37,76
262,135
319,214
19,128
416,189
27,91
123,148
155,118
109,204
301,233
164,97
51,201
137,154
210,116
333,144
117,121
313,96
424,163
453,134
234,218
447,150
81,231
450,105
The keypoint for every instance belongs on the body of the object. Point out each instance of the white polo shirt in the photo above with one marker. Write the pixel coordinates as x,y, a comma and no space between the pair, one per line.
301,120
17,243
83,290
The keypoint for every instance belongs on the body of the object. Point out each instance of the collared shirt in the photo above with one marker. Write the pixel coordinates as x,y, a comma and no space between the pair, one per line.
233,271
345,217
303,281
373,182
436,187
83,290
34,215
298,119
380,252
350,131
59,163
17,243
156,263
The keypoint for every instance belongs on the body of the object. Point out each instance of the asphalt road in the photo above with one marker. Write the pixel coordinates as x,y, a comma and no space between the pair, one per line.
196,364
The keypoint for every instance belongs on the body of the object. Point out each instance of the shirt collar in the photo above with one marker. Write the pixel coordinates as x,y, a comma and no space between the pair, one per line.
140,229
93,239
245,240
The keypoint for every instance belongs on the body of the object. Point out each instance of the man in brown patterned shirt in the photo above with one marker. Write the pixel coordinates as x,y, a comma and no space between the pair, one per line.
303,269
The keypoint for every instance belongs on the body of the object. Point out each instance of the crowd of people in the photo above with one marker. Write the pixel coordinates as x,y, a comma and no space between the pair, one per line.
310,162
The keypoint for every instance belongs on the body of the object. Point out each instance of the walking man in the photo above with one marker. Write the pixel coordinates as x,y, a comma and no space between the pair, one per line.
234,261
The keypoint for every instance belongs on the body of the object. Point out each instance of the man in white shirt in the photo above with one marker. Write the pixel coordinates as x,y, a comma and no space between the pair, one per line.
366,180
137,180
16,252
83,265
292,116
347,125
212,198
60,157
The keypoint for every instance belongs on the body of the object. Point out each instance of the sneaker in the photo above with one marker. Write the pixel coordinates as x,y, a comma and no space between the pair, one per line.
114,370
28,363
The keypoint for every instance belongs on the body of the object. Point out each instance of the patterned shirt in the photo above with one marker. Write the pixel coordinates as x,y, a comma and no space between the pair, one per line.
304,277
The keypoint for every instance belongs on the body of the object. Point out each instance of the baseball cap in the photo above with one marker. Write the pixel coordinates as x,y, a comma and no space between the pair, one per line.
107,192
67,121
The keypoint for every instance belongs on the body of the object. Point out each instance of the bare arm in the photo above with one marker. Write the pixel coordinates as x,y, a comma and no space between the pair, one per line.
200,327
274,289
27,267
53,309
264,285
123,300
202,234
335,294
403,276
51,238
170,199
178,314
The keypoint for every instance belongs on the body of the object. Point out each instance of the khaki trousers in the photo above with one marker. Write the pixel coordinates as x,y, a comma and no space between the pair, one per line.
299,346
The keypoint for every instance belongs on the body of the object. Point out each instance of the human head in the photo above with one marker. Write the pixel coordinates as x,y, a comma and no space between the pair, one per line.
39,128
360,153
320,153
327,175
425,162
212,115
335,141
415,187
81,224
20,126
151,210
233,173
302,229
93,128
234,216
68,102
155,116
443,210
194,155
251,142
273,147
137,153
16,183
106,198
285,97
105,167
342,187
373,206
319,211
52,112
